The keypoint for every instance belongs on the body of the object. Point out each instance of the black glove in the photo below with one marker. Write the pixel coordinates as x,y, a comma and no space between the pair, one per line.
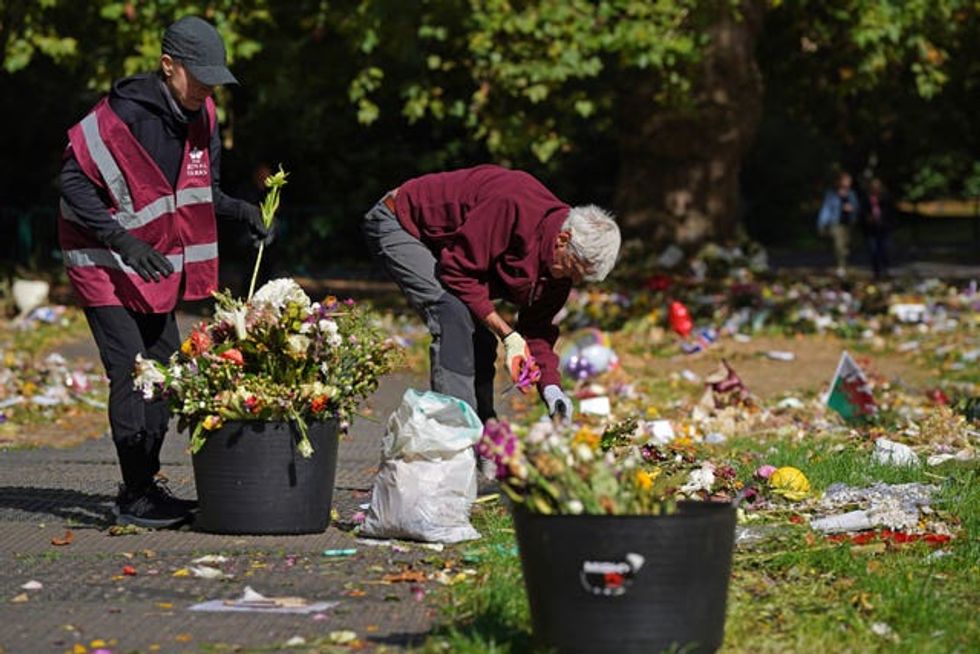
140,256
252,216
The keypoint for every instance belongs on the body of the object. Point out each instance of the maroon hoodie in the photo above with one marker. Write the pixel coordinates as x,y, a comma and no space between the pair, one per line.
493,232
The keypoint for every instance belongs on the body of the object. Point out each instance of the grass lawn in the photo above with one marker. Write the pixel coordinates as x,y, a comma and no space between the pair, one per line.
796,592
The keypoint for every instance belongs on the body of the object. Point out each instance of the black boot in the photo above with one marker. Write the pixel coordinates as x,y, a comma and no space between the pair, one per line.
146,508
161,492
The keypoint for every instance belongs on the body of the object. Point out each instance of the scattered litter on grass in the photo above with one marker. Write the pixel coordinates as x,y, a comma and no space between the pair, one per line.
902,507
32,585
894,454
599,406
883,629
939,459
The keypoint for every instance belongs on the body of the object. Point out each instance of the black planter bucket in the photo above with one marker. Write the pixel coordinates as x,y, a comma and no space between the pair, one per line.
251,479
628,584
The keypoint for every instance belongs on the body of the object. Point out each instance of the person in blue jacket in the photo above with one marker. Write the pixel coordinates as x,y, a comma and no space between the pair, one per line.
839,211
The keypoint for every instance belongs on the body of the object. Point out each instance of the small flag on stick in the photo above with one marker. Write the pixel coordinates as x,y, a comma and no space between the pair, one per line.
850,393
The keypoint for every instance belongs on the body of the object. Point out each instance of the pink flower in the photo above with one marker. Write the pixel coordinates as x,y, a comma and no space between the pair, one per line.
500,445
765,472
234,355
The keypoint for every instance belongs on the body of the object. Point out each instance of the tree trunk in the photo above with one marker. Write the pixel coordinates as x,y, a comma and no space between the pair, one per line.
679,168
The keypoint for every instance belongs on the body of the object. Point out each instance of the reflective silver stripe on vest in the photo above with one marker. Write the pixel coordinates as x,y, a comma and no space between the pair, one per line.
164,205
127,216
193,195
106,164
89,257
202,252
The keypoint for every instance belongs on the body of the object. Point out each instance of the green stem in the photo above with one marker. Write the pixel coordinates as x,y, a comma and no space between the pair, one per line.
255,271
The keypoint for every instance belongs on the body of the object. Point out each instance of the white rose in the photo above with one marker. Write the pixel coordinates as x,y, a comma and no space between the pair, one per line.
701,479
277,293
148,374
584,452
297,344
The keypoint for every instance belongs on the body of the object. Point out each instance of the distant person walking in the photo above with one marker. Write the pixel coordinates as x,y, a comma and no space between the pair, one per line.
877,220
139,195
840,210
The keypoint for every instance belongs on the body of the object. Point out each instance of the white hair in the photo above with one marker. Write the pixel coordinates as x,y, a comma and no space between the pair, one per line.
594,239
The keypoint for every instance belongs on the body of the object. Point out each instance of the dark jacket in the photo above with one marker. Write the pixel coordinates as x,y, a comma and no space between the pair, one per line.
492,231
145,104
877,214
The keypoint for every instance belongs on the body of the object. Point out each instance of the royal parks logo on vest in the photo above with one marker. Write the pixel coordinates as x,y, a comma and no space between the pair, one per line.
196,165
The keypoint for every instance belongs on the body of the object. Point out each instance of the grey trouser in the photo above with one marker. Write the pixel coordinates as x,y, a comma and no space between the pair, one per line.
841,235
463,351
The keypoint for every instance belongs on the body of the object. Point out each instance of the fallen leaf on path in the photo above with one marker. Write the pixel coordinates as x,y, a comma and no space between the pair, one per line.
126,530
65,540
342,637
414,576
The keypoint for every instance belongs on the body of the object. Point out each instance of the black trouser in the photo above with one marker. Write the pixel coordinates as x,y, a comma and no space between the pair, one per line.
138,425
878,249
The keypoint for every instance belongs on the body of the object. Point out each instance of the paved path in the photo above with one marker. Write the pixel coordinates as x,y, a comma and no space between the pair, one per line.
85,595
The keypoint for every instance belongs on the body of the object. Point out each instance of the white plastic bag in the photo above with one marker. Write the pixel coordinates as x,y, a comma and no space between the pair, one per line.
430,426
427,480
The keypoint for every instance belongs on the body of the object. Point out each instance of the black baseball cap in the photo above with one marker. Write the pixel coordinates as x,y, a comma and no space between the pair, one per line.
197,45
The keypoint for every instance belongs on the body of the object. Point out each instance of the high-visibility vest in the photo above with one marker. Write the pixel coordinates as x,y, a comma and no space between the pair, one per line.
178,222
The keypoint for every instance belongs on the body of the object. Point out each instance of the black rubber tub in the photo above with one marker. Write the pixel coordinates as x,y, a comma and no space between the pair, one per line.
628,584
251,479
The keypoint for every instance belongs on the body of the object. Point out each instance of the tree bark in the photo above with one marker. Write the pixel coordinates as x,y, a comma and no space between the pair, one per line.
679,168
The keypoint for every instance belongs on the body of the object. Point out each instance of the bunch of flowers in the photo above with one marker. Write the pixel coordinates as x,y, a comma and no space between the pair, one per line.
557,469
277,356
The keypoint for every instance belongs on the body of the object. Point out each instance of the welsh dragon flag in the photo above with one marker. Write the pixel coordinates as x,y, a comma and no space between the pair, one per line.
850,394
